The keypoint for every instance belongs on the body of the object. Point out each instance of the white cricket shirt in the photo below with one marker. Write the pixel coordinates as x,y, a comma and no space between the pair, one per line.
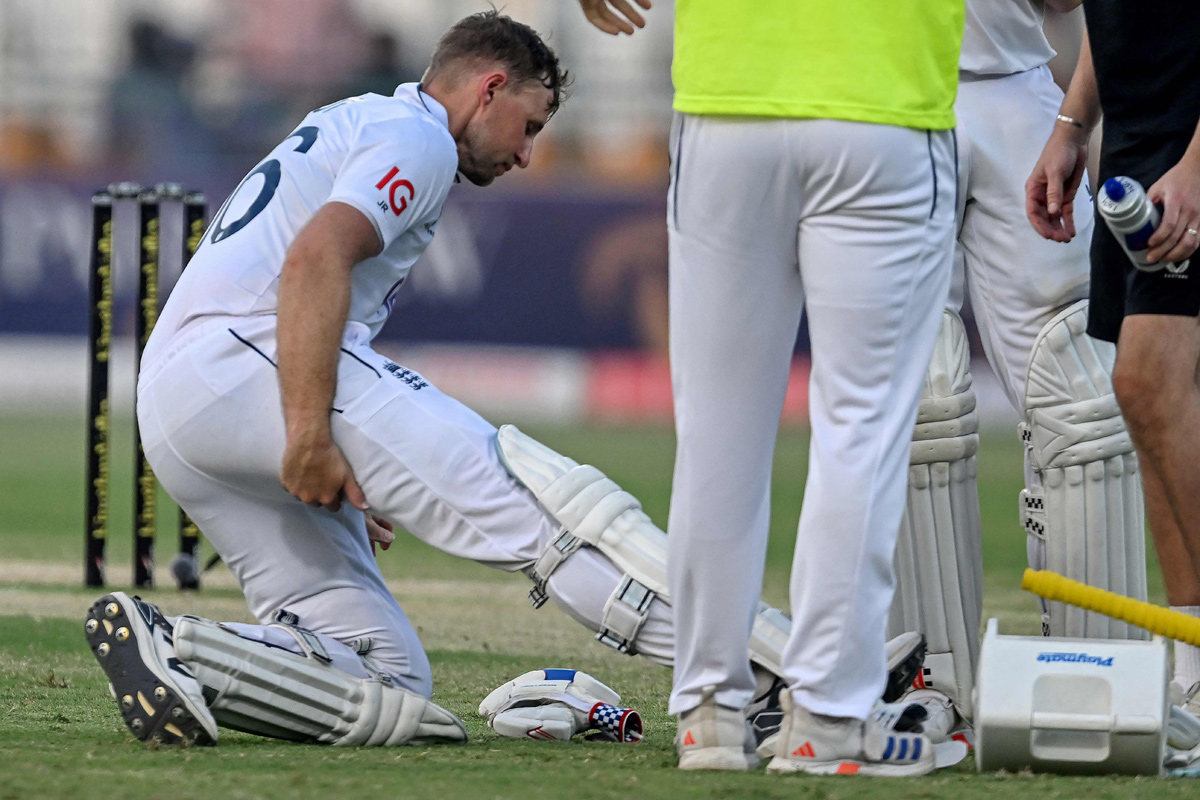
392,158
1003,37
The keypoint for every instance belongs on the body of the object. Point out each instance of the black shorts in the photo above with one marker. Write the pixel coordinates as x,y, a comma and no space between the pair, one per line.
1119,288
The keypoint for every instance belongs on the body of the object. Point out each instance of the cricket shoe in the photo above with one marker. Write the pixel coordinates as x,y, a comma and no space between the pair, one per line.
905,656
939,721
1188,698
901,716
160,701
823,745
765,717
932,713
1183,722
714,737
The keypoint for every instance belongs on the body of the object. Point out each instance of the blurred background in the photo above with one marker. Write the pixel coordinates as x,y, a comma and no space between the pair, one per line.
542,300
543,296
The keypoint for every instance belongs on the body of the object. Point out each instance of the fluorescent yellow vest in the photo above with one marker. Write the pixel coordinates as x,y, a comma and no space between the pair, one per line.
893,62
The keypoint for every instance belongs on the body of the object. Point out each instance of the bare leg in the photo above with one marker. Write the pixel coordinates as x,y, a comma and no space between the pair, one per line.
1181,577
1162,432
1155,379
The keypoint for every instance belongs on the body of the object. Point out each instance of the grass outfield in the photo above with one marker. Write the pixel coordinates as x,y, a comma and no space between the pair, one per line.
60,735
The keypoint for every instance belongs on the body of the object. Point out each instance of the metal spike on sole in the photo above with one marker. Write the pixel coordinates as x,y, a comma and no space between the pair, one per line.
133,683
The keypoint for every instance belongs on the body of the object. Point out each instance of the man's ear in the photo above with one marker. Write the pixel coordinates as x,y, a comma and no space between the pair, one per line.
489,84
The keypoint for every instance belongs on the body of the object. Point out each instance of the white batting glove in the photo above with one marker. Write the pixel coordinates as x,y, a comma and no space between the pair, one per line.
557,704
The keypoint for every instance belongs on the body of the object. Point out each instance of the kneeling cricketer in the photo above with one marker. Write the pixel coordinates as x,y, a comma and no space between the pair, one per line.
295,447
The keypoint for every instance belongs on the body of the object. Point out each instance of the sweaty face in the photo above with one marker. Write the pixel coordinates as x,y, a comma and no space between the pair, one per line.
500,134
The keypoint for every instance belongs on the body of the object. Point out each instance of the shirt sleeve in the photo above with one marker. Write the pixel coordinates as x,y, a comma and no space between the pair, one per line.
394,174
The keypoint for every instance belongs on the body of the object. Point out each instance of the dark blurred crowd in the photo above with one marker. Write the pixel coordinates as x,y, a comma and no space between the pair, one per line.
218,101
196,105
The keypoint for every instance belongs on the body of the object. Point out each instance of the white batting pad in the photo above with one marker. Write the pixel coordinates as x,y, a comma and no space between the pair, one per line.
1084,515
768,637
594,510
589,505
285,695
939,566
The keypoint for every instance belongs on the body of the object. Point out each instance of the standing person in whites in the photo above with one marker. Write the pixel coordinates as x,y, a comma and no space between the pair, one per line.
1082,505
295,446
1139,64
813,170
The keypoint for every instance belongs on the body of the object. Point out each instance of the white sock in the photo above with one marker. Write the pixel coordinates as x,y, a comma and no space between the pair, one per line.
1187,657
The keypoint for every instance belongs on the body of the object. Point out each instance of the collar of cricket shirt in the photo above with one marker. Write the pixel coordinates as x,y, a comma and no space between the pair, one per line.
413,91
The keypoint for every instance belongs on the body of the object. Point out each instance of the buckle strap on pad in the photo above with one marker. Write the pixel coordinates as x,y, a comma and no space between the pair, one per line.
555,553
624,615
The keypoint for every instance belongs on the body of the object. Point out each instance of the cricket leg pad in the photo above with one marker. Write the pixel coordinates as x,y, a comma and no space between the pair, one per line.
939,566
595,512
297,693
1083,510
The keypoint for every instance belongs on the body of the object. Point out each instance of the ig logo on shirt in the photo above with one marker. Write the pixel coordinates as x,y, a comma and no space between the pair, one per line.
396,208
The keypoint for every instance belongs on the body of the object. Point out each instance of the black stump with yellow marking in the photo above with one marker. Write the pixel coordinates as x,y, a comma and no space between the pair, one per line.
187,564
100,329
145,520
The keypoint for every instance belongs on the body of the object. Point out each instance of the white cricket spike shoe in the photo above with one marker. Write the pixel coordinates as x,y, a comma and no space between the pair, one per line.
159,699
835,746
941,720
713,737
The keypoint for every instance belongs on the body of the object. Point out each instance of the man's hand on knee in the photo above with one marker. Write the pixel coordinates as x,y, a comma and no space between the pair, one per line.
316,472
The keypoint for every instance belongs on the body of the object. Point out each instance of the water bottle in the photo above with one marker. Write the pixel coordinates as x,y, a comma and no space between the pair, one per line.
1132,218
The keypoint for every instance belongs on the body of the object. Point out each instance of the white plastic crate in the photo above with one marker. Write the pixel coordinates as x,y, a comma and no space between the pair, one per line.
1081,706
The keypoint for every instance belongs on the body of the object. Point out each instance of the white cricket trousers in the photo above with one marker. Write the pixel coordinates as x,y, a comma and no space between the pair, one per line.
212,427
853,223
1017,281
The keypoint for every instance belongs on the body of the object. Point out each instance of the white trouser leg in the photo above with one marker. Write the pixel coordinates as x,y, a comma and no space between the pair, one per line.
1016,279
430,465
216,448
735,300
425,462
1020,285
875,256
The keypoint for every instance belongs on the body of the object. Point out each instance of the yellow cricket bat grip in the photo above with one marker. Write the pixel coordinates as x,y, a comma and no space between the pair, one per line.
1156,619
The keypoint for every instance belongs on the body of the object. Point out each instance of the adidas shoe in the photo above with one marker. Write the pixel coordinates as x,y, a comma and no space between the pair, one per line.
159,699
713,737
905,657
839,746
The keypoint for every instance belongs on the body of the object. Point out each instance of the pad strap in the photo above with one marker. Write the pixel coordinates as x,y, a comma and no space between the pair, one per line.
625,613
307,640
559,549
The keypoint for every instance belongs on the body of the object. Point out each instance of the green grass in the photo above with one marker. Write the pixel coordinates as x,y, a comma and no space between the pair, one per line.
60,735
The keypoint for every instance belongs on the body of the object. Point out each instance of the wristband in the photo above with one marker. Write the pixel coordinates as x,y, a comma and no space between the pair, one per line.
1069,120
